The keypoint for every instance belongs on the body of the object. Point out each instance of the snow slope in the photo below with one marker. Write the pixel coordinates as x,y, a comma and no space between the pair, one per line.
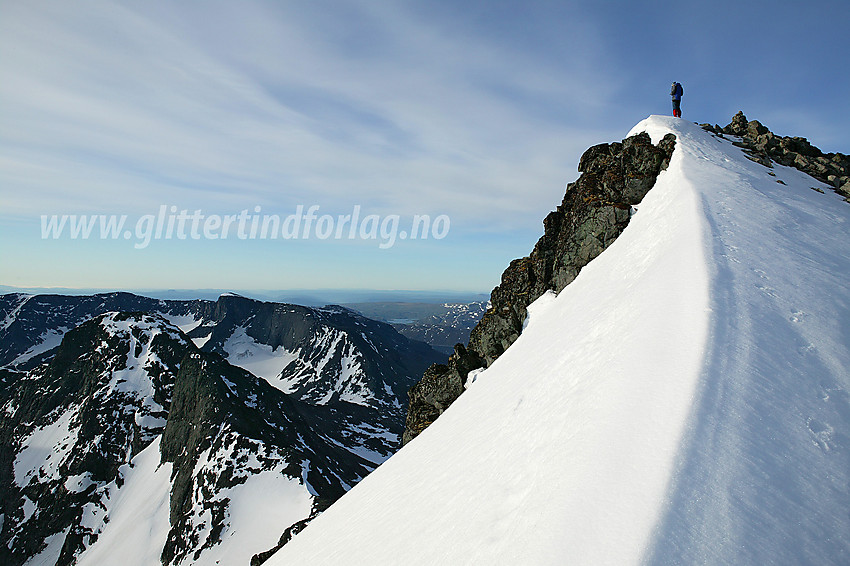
133,518
683,401
764,473
260,359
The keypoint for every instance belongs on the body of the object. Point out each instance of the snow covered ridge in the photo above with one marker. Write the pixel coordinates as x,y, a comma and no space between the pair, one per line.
129,412
595,210
685,400
32,326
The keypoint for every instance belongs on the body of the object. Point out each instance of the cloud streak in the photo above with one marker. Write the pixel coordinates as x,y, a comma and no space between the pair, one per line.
476,110
129,106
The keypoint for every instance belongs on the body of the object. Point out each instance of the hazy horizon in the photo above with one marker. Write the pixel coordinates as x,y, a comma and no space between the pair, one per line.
307,297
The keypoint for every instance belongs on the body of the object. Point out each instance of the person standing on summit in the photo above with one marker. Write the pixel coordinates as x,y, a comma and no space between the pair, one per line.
676,92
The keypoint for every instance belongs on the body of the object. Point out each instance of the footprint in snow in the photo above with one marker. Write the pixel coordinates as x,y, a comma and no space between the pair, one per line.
806,350
769,291
821,434
797,316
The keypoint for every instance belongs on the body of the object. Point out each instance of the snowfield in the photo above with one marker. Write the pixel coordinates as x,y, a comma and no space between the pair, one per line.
260,359
684,401
137,529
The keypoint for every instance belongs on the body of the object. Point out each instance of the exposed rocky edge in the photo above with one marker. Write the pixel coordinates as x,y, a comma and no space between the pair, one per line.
31,326
102,377
763,146
595,210
381,364
319,506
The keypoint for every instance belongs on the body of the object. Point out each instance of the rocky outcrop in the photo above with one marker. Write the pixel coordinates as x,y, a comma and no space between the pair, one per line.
595,210
763,146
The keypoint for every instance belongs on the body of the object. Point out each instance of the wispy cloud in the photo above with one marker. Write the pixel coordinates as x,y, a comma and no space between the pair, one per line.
479,110
110,106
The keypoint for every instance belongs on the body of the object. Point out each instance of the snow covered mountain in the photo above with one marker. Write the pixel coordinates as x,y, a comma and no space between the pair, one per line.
131,444
328,356
445,329
683,399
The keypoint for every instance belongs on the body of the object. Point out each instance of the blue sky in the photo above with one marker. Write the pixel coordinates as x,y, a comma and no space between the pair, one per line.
474,111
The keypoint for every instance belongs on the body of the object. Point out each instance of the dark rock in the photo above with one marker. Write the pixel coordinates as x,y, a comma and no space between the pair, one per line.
738,126
716,129
261,557
756,129
801,146
594,211
763,146
767,140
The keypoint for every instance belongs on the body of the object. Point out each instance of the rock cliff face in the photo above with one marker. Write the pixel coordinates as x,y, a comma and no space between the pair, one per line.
595,210
330,357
